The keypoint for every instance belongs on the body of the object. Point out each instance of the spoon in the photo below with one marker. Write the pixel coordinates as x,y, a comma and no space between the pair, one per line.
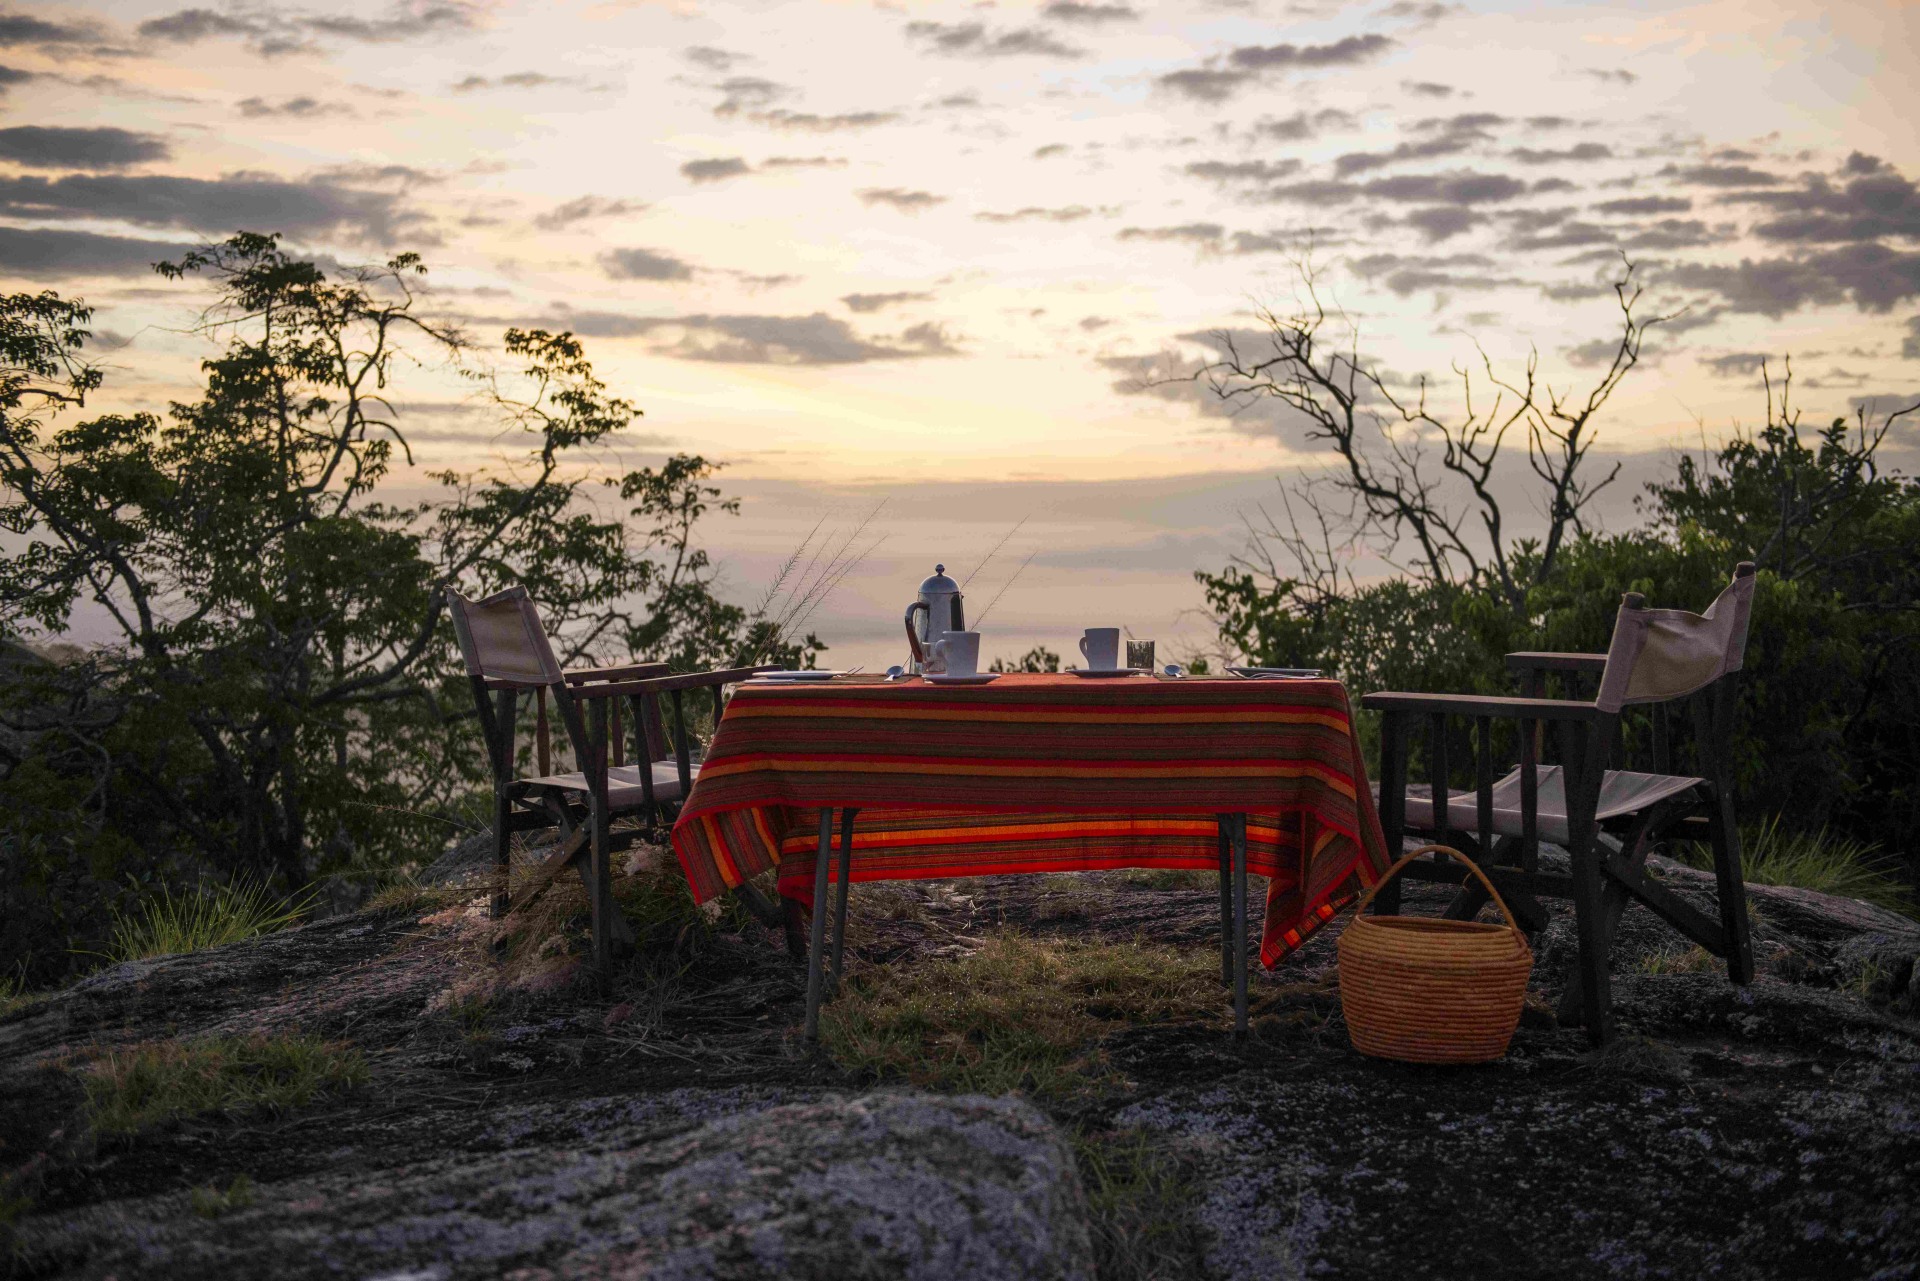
896,672
1175,671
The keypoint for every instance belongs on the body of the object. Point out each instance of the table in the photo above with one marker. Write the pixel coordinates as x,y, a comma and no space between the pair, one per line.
1040,773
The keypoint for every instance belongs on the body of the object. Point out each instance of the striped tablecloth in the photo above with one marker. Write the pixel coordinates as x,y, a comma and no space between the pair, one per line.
1041,773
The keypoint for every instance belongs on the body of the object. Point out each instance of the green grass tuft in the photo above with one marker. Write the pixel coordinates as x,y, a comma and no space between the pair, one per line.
1820,861
129,1090
195,919
1020,1014
211,1202
1139,1194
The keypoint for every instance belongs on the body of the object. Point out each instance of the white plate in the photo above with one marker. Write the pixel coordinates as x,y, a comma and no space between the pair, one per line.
809,675
1098,672
979,678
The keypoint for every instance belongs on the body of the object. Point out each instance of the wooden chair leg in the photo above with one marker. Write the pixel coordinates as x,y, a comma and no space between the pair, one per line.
502,854
1590,969
600,892
1725,837
795,924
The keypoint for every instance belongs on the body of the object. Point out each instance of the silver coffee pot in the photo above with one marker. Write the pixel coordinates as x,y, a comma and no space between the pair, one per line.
937,610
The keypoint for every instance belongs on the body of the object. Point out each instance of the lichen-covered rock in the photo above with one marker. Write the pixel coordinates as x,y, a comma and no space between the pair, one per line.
889,1185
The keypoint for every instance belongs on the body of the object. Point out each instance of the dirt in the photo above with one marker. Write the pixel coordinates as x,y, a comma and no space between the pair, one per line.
1771,1131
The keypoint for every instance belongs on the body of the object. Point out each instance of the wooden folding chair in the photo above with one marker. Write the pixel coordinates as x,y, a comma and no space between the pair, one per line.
1609,819
506,652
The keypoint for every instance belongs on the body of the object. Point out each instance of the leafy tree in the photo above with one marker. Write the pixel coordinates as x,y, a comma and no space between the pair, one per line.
277,701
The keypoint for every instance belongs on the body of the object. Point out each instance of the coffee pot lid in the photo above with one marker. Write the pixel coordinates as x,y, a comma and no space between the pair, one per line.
939,582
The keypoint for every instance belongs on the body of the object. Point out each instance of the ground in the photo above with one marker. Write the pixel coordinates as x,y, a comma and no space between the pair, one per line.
516,1115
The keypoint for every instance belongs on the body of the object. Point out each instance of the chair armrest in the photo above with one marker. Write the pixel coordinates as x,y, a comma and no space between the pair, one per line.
1549,662
667,684
619,671
1536,709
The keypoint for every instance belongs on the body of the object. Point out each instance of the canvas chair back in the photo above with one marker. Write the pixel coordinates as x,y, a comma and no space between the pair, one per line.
502,640
1663,654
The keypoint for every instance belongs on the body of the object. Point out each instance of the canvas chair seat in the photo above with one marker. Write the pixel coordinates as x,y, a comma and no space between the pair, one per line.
623,783
1622,793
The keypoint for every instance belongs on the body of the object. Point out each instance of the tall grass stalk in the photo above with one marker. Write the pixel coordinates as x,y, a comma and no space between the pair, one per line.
806,579
1819,860
195,919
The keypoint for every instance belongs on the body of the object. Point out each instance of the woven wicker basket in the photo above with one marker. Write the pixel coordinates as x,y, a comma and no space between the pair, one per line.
1432,991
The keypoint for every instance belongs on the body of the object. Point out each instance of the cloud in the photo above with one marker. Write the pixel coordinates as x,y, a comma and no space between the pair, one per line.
1646,205
1301,126
39,254
1873,277
514,80
715,170
1034,213
24,31
1583,151
310,207
1346,52
1735,364
1215,82
1428,89
1910,345
742,94
53,147
1410,275
705,55
1092,324
1205,84
1720,176
1443,222
1243,171
11,76
900,198
974,40
865,303
818,339
1049,150
1088,15
1203,236
302,108
1461,187
644,264
583,209
1617,76
804,162
1427,149
1674,233
1878,203
272,32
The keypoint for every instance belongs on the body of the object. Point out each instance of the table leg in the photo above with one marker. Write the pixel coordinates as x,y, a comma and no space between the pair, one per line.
1226,899
846,886
820,909
1240,924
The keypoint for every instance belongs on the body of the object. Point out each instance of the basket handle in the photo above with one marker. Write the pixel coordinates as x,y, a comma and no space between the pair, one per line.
1471,867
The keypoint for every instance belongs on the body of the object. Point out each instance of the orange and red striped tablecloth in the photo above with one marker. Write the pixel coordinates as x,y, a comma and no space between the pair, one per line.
1041,773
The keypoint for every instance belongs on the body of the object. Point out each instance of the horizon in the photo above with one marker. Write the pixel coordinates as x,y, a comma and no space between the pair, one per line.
858,253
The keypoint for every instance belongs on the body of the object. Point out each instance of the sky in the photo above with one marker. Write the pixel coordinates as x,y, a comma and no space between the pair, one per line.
927,260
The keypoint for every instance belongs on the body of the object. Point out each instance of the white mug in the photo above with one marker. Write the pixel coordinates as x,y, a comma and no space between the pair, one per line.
1101,648
958,653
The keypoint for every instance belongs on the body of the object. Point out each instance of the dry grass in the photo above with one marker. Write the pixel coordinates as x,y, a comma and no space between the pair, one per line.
1018,1015
1692,960
129,1090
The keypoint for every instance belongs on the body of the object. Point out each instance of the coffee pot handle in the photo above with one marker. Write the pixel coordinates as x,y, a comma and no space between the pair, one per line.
913,638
